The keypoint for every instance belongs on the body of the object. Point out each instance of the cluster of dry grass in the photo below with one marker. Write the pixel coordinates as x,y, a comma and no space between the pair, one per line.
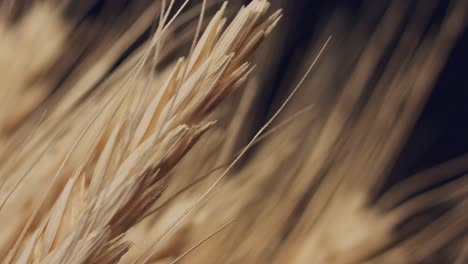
124,164
118,146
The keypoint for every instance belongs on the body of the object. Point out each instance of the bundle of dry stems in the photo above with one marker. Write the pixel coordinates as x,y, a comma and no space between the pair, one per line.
115,157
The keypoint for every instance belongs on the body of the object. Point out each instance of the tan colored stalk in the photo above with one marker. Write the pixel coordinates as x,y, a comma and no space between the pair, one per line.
130,142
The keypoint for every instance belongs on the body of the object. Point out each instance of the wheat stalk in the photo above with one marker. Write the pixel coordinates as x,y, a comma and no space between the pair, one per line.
135,140
130,169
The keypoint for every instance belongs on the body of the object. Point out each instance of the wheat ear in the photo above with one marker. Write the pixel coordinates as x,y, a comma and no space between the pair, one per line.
125,169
